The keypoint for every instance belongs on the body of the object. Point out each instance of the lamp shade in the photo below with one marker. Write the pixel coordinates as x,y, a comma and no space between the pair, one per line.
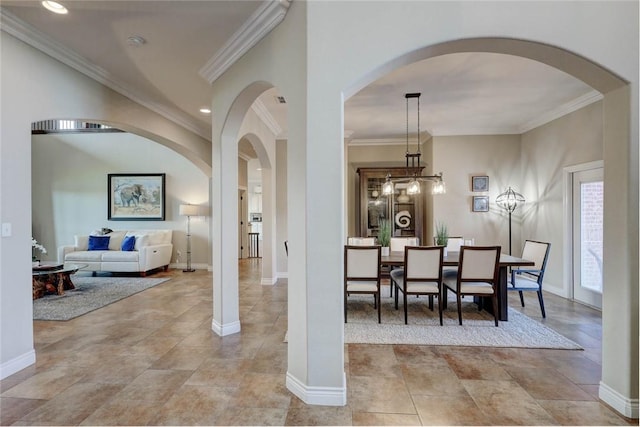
190,210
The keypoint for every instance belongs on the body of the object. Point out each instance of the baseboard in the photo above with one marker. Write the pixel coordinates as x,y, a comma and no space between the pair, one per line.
325,396
268,281
183,266
224,330
282,275
626,406
17,364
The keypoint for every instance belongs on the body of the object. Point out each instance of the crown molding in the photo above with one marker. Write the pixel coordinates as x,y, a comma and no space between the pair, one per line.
563,110
266,18
364,142
34,38
263,113
244,156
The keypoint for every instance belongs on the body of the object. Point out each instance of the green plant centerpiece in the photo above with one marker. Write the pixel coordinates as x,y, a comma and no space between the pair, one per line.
384,233
442,234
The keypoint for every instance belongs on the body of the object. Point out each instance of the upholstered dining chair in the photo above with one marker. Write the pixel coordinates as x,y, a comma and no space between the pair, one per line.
530,278
421,275
362,273
478,275
397,244
361,241
453,245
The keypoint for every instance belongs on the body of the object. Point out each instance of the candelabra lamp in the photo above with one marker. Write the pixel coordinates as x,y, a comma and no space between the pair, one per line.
189,211
509,201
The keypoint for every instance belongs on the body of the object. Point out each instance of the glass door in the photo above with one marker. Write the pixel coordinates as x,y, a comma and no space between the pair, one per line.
588,198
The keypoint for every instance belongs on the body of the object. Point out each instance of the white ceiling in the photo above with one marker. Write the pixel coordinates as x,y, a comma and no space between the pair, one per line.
465,93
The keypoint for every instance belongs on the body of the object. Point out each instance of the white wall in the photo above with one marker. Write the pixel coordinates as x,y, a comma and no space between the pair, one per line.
69,184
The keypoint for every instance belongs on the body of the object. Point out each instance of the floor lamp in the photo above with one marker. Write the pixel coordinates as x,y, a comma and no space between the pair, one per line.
509,200
189,211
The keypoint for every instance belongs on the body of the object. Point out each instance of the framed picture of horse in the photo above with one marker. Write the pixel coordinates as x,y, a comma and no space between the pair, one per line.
136,197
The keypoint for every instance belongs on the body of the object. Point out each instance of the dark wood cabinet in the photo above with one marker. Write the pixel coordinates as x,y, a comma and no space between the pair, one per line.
404,212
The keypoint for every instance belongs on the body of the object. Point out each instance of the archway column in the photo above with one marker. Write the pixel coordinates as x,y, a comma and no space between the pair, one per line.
224,197
268,226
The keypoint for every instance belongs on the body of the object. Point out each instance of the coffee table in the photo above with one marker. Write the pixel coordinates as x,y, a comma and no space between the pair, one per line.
53,278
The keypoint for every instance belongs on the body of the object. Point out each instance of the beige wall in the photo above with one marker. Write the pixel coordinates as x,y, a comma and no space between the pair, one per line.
568,141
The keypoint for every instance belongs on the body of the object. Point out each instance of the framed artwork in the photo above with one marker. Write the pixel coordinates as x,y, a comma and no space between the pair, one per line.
480,183
480,204
136,197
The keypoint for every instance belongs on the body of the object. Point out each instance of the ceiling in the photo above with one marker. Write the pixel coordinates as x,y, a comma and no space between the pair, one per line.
462,94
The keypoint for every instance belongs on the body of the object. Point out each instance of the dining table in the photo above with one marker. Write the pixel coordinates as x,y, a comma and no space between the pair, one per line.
452,259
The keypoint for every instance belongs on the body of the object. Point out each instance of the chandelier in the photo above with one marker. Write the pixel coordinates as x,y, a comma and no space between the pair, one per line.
412,162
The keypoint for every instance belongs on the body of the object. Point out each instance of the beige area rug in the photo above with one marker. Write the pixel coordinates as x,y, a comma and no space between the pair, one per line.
424,328
91,293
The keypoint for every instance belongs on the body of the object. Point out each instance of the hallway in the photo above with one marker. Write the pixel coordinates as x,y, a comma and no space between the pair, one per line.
152,359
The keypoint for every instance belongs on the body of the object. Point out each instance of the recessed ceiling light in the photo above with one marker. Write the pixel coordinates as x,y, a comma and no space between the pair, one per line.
55,7
205,110
136,41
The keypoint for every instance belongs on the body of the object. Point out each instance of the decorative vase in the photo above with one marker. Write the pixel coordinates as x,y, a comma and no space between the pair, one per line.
384,251
403,197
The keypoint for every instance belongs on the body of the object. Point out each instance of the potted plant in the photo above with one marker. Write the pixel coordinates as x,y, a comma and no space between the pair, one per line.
384,236
442,234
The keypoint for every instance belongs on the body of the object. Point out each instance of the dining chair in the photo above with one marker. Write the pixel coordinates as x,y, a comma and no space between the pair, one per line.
362,273
478,275
453,245
361,241
421,275
397,244
530,278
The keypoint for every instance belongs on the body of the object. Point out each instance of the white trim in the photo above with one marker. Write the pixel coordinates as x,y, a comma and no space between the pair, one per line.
563,110
326,396
624,405
244,157
268,281
17,364
183,265
224,330
282,274
378,141
263,113
567,222
263,20
34,38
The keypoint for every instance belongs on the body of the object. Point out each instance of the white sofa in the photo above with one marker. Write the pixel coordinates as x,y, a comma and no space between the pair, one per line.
152,250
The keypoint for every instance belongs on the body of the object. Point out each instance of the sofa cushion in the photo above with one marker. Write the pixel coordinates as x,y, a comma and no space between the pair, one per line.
117,256
115,240
98,243
81,243
128,243
85,256
141,241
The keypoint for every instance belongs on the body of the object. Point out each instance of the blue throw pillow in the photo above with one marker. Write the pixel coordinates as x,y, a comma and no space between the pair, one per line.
128,243
98,243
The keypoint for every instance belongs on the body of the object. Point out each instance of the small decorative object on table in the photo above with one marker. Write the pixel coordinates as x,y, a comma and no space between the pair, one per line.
35,246
384,236
442,235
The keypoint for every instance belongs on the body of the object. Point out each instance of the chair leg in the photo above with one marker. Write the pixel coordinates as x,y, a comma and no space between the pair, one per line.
521,298
375,301
444,296
440,306
494,300
377,296
544,315
431,302
480,303
345,307
396,297
459,300
405,304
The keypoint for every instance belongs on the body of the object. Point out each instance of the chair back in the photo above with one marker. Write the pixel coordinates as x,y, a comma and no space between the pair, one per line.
538,252
361,241
397,244
454,243
423,263
479,263
362,262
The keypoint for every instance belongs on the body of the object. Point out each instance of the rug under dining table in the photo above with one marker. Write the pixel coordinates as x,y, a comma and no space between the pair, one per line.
477,330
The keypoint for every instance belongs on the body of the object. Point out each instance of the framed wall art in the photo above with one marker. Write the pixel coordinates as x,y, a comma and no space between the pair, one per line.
480,183
480,204
136,197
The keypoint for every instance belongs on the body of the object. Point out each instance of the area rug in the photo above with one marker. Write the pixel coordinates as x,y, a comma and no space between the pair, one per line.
91,293
424,328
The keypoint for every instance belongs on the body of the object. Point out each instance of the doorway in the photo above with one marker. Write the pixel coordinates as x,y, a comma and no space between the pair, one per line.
587,203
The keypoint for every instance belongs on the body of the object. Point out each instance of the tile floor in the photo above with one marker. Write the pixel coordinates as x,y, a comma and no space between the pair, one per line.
152,359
